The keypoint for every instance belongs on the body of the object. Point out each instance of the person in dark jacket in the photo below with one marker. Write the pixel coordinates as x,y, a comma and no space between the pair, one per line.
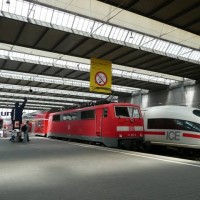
16,114
25,129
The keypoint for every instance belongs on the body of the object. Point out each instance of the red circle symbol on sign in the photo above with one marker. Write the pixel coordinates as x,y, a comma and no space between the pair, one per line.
101,78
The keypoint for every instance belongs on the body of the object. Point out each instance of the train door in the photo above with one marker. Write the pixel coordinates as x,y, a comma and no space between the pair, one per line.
99,122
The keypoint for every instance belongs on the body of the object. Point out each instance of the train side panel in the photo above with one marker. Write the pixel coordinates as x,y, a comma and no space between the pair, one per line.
172,126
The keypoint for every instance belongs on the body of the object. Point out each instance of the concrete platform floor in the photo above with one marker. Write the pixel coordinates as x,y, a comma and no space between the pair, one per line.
46,169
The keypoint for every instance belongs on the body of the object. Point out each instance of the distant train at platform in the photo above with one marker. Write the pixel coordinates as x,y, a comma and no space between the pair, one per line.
170,125
39,123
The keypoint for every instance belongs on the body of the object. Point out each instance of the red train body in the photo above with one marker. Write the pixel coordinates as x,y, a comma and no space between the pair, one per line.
40,123
111,124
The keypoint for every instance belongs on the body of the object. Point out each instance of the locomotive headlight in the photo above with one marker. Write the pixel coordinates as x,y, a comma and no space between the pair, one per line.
120,135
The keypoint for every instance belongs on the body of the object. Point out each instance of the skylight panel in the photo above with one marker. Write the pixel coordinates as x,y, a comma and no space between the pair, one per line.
126,74
36,15
42,105
117,72
58,81
118,35
82,26
45,16
46,61
84,67
59,63
185,53
71,65
4,54
144,77
57,19
39,106
134,75
62,21
148,43
161,47
63,81
125,90
133,39
44,97
31,58
36,101
42,15
101,31
52,91
152,78
16,56
15,10
6,7
195,55
37,10
173,50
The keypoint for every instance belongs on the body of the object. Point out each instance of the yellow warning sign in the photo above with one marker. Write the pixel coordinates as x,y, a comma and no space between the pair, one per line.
100,76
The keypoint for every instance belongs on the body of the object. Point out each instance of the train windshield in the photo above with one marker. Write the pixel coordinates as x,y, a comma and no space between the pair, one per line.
196,112
127,111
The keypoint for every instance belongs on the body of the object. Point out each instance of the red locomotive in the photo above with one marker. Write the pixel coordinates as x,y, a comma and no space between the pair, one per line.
112,124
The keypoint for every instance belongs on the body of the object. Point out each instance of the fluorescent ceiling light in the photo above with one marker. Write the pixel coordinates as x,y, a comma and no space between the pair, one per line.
4,105
53,62
31,105
35,101
52,91
60,20
10,104
56,99
60,81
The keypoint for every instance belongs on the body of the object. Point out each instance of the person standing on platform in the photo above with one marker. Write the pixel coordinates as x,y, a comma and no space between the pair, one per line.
16,114
28,131
25,129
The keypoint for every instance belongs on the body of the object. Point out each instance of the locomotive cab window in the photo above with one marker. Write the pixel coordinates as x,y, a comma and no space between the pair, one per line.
127,112
134,112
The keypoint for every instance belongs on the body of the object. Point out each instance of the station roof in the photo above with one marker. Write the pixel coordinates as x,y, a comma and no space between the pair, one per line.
46,47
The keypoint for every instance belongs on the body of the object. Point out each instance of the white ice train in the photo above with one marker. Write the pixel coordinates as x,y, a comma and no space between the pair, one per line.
177,126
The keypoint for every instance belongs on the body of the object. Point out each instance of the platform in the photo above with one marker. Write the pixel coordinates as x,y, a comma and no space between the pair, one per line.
47,169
